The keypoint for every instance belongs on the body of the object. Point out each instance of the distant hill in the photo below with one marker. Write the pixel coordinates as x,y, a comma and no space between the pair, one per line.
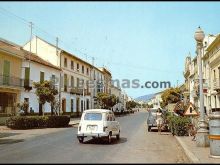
145,97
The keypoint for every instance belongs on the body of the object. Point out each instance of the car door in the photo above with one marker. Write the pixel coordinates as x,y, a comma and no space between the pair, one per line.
115,125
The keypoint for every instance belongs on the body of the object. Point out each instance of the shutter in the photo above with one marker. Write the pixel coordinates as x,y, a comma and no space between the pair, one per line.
27,76
6,72
41,76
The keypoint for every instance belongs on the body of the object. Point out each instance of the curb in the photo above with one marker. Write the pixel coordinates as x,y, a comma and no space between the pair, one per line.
188,153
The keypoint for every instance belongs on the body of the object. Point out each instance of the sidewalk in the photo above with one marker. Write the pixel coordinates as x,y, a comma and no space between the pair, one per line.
194,153
8,135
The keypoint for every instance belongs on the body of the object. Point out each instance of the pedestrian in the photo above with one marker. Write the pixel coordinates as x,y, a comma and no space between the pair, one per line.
159,120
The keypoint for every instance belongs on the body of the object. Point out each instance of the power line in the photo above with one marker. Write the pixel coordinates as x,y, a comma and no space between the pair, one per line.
69,45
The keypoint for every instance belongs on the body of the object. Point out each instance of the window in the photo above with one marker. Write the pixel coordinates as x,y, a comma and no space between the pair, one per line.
82,69
71,105
41,76
72,81
65,82
72,65
53,79
78,67
6,72
27,77
87,71
77,82
65,62
81,105
93,116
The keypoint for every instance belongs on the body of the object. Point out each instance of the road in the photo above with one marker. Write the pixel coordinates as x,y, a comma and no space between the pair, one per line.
135,146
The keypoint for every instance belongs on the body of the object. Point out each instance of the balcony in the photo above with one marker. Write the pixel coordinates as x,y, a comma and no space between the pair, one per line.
216,85
75,90
195,93
11,81
28,84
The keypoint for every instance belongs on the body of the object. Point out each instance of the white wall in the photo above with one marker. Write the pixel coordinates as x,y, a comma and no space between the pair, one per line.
35,69
43,50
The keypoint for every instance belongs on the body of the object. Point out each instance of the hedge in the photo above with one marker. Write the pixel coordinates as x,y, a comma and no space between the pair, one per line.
178,125
31,122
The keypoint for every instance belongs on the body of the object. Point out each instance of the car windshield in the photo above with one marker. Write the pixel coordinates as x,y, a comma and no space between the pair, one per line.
93,116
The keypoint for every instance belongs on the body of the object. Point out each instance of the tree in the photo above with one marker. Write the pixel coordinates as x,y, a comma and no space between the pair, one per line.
46,92
106,100
171,95
23,107
131,104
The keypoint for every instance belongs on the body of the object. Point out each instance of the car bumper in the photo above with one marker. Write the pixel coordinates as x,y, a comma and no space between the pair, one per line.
92,135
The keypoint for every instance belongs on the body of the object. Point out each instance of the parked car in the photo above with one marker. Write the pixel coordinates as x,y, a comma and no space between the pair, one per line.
98,123
151,119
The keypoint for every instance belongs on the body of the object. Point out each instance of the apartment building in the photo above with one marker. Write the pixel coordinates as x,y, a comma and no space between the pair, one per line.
80,80
212,55
191,76
11,84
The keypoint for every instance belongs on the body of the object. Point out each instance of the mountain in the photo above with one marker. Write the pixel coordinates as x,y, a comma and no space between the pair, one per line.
145,97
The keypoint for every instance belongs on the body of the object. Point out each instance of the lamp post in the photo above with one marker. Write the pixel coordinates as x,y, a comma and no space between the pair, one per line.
202,133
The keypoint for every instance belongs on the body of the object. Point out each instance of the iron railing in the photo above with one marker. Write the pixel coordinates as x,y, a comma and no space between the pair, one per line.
11,81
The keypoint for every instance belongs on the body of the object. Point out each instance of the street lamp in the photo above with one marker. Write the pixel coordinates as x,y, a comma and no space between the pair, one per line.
202,133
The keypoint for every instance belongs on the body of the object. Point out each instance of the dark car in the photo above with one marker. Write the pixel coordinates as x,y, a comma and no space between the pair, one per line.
151,119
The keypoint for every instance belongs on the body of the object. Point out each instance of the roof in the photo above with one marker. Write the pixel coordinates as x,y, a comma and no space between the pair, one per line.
33,57
11,48
103,69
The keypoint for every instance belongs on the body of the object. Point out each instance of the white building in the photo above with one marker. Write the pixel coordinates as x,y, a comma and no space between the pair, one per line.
35,69
117,92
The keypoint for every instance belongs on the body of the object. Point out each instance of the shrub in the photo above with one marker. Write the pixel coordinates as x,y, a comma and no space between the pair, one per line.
31,122
178,125
58,121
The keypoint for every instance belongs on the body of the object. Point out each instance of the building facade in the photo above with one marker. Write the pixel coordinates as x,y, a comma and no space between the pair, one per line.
11,84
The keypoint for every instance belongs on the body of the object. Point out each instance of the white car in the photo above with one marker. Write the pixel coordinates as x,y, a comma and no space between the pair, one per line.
97,123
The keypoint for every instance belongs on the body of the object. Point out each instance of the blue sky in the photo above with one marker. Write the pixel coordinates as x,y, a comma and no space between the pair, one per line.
135,40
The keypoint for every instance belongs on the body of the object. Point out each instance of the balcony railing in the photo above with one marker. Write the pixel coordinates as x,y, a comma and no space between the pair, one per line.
216,84
11,81
75,90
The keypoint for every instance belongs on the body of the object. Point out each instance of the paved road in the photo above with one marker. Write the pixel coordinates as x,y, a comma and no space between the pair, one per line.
135,146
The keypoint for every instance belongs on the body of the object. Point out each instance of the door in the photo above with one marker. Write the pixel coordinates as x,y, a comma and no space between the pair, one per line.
77,105
115,125
6,72
64,105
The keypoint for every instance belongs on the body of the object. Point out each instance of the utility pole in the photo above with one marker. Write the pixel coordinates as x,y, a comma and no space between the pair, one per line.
93,59
31,26
57,40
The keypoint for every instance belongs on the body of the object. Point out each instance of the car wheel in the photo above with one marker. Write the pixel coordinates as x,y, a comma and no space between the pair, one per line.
118,136
149,129
81,139
109,139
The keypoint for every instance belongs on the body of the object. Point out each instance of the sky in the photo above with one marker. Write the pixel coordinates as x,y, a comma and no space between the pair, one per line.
148,41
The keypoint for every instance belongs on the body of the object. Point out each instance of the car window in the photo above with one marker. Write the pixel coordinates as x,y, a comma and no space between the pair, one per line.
93,116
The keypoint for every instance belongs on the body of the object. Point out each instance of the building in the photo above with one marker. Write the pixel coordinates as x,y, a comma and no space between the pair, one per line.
156,100
75,94
117,92
11,84
211,70
35,69
80,80
191,76
107,80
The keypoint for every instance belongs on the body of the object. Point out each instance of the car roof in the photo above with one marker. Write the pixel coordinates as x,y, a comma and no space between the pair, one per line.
97,110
